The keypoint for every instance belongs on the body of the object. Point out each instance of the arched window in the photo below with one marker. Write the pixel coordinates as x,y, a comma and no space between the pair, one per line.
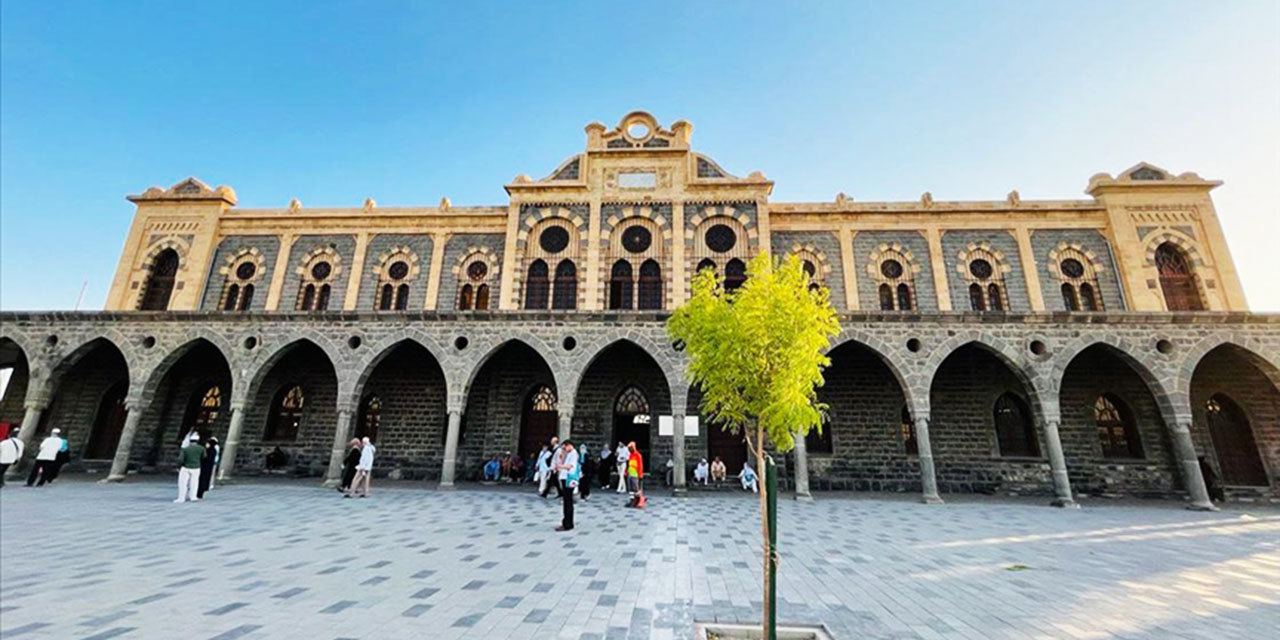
286,413
385,297
322,298
1069,298
466,298
308,298
370,417
704,264
735,274
246,297
233,298
1089,300
631,402
620,284
995,297
1233,442
542,399
202,409
1116,431
482,297
977,301
1177,280
313,294
650,294
909,443
473,280
537,286
1014,431
815,442
886,297
904,297
159,286
402,297
566,290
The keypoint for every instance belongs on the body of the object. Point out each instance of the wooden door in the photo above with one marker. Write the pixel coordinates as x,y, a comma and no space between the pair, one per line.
1233,442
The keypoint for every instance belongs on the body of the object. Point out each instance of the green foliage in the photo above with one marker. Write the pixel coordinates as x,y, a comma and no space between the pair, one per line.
757,353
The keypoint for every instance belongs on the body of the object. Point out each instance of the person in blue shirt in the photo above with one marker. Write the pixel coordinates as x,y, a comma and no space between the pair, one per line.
492,470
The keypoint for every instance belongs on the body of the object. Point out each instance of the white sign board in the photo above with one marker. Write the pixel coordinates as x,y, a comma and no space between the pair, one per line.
691,426
665,426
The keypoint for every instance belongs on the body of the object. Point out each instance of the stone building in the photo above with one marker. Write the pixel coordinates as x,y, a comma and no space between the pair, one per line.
1097,346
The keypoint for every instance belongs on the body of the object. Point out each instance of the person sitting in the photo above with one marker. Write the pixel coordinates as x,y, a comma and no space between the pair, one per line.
515,467
492,470
748,477
277,459
701,472
718,472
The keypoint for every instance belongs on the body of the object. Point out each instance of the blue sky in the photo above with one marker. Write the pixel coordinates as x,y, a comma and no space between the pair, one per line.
335,102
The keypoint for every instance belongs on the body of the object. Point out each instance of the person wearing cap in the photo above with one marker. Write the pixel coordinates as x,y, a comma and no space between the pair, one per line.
47,459
11,449
189,471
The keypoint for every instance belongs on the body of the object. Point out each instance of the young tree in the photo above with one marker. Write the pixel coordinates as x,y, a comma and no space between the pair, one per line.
757,353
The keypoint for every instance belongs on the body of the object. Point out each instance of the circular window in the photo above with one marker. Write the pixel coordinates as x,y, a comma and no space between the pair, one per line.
477,270
980,269
148,342
1072,268
638,130
51,341
354,342
721,238
569,343
398,270
460,343
554,239
250,343
246,270
636,239
891,269
1164,346
1037,347
321,270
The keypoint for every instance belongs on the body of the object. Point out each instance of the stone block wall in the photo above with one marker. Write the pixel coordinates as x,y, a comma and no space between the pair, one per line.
1043,241
495,406
1229,372
12,409
309,451
165,420
382,244
457,248
344,245
867,242
1015,282
75,401
411,430
267,246
828,244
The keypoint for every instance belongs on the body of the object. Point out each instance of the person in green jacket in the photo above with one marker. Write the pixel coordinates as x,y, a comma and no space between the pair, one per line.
189,473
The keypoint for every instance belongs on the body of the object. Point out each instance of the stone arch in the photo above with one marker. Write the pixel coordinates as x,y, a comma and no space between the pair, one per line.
614,367
267,361
151,378
1001,349
1250,347
671,371
1121,348
882,350
540,346
377,352
59,365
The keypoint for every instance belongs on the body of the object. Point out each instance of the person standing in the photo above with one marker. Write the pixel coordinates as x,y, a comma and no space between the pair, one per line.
635,469
189,473
207,460
349,465
623,455
557,457
217,461
364,469
11,449
543,473
588,468
604,467
567,473
47,459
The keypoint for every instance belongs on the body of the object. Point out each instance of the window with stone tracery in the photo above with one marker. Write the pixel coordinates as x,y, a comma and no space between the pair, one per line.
475,276
396,271
892,268
984,270
1117,432
241,281
1077,279
814,265
551,241
632,267
909,443
286,413
1177,279
319,274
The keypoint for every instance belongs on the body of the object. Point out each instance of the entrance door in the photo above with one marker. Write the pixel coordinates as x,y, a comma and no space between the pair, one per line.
1234,444
538,423
631,422
107,424
728,445
1176,279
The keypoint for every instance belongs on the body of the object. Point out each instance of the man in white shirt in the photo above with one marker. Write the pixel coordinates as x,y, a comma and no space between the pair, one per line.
364,469
557,456
10,452
623,455
46,458
567,473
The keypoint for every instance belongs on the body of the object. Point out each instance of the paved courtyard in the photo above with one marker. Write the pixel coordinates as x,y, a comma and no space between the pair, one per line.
290,560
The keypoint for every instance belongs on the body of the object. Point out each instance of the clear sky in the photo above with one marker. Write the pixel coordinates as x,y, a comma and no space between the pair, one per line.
335,102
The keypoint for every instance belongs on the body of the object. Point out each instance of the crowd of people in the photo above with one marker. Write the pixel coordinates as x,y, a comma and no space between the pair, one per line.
50,457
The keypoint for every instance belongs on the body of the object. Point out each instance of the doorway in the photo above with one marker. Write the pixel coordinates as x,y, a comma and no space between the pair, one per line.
108,423
538,422
1233,441
631,422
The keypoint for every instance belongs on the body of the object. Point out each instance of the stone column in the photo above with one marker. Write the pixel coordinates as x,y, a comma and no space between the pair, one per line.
120,464
801,453
449,467
233,442
1058,466
1191,476
928,481
30,420
566,421
678,481
341,434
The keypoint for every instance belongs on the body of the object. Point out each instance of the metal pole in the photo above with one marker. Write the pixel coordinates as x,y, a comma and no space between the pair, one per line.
771,502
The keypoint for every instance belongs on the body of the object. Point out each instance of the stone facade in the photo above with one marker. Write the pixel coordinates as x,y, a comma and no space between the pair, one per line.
915,391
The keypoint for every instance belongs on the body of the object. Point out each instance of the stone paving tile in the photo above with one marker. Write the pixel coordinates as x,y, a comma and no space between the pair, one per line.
420,563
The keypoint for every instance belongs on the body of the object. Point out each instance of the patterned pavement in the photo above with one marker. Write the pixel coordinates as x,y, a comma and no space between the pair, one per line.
291,560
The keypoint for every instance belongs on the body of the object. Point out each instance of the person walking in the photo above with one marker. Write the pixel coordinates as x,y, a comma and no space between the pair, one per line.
364,469
207,460
217,462
557,457
635,476
623,455
47,459
567,473
349,465
189,473
543,474
11,449
588,467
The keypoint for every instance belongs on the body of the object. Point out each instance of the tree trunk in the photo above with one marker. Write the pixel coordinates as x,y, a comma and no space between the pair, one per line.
764,527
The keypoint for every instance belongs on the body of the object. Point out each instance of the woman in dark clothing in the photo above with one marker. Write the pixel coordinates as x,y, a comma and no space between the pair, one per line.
349,465
207,461
604,466
588,471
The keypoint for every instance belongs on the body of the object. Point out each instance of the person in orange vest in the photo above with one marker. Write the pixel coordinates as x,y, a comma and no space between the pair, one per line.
635,476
